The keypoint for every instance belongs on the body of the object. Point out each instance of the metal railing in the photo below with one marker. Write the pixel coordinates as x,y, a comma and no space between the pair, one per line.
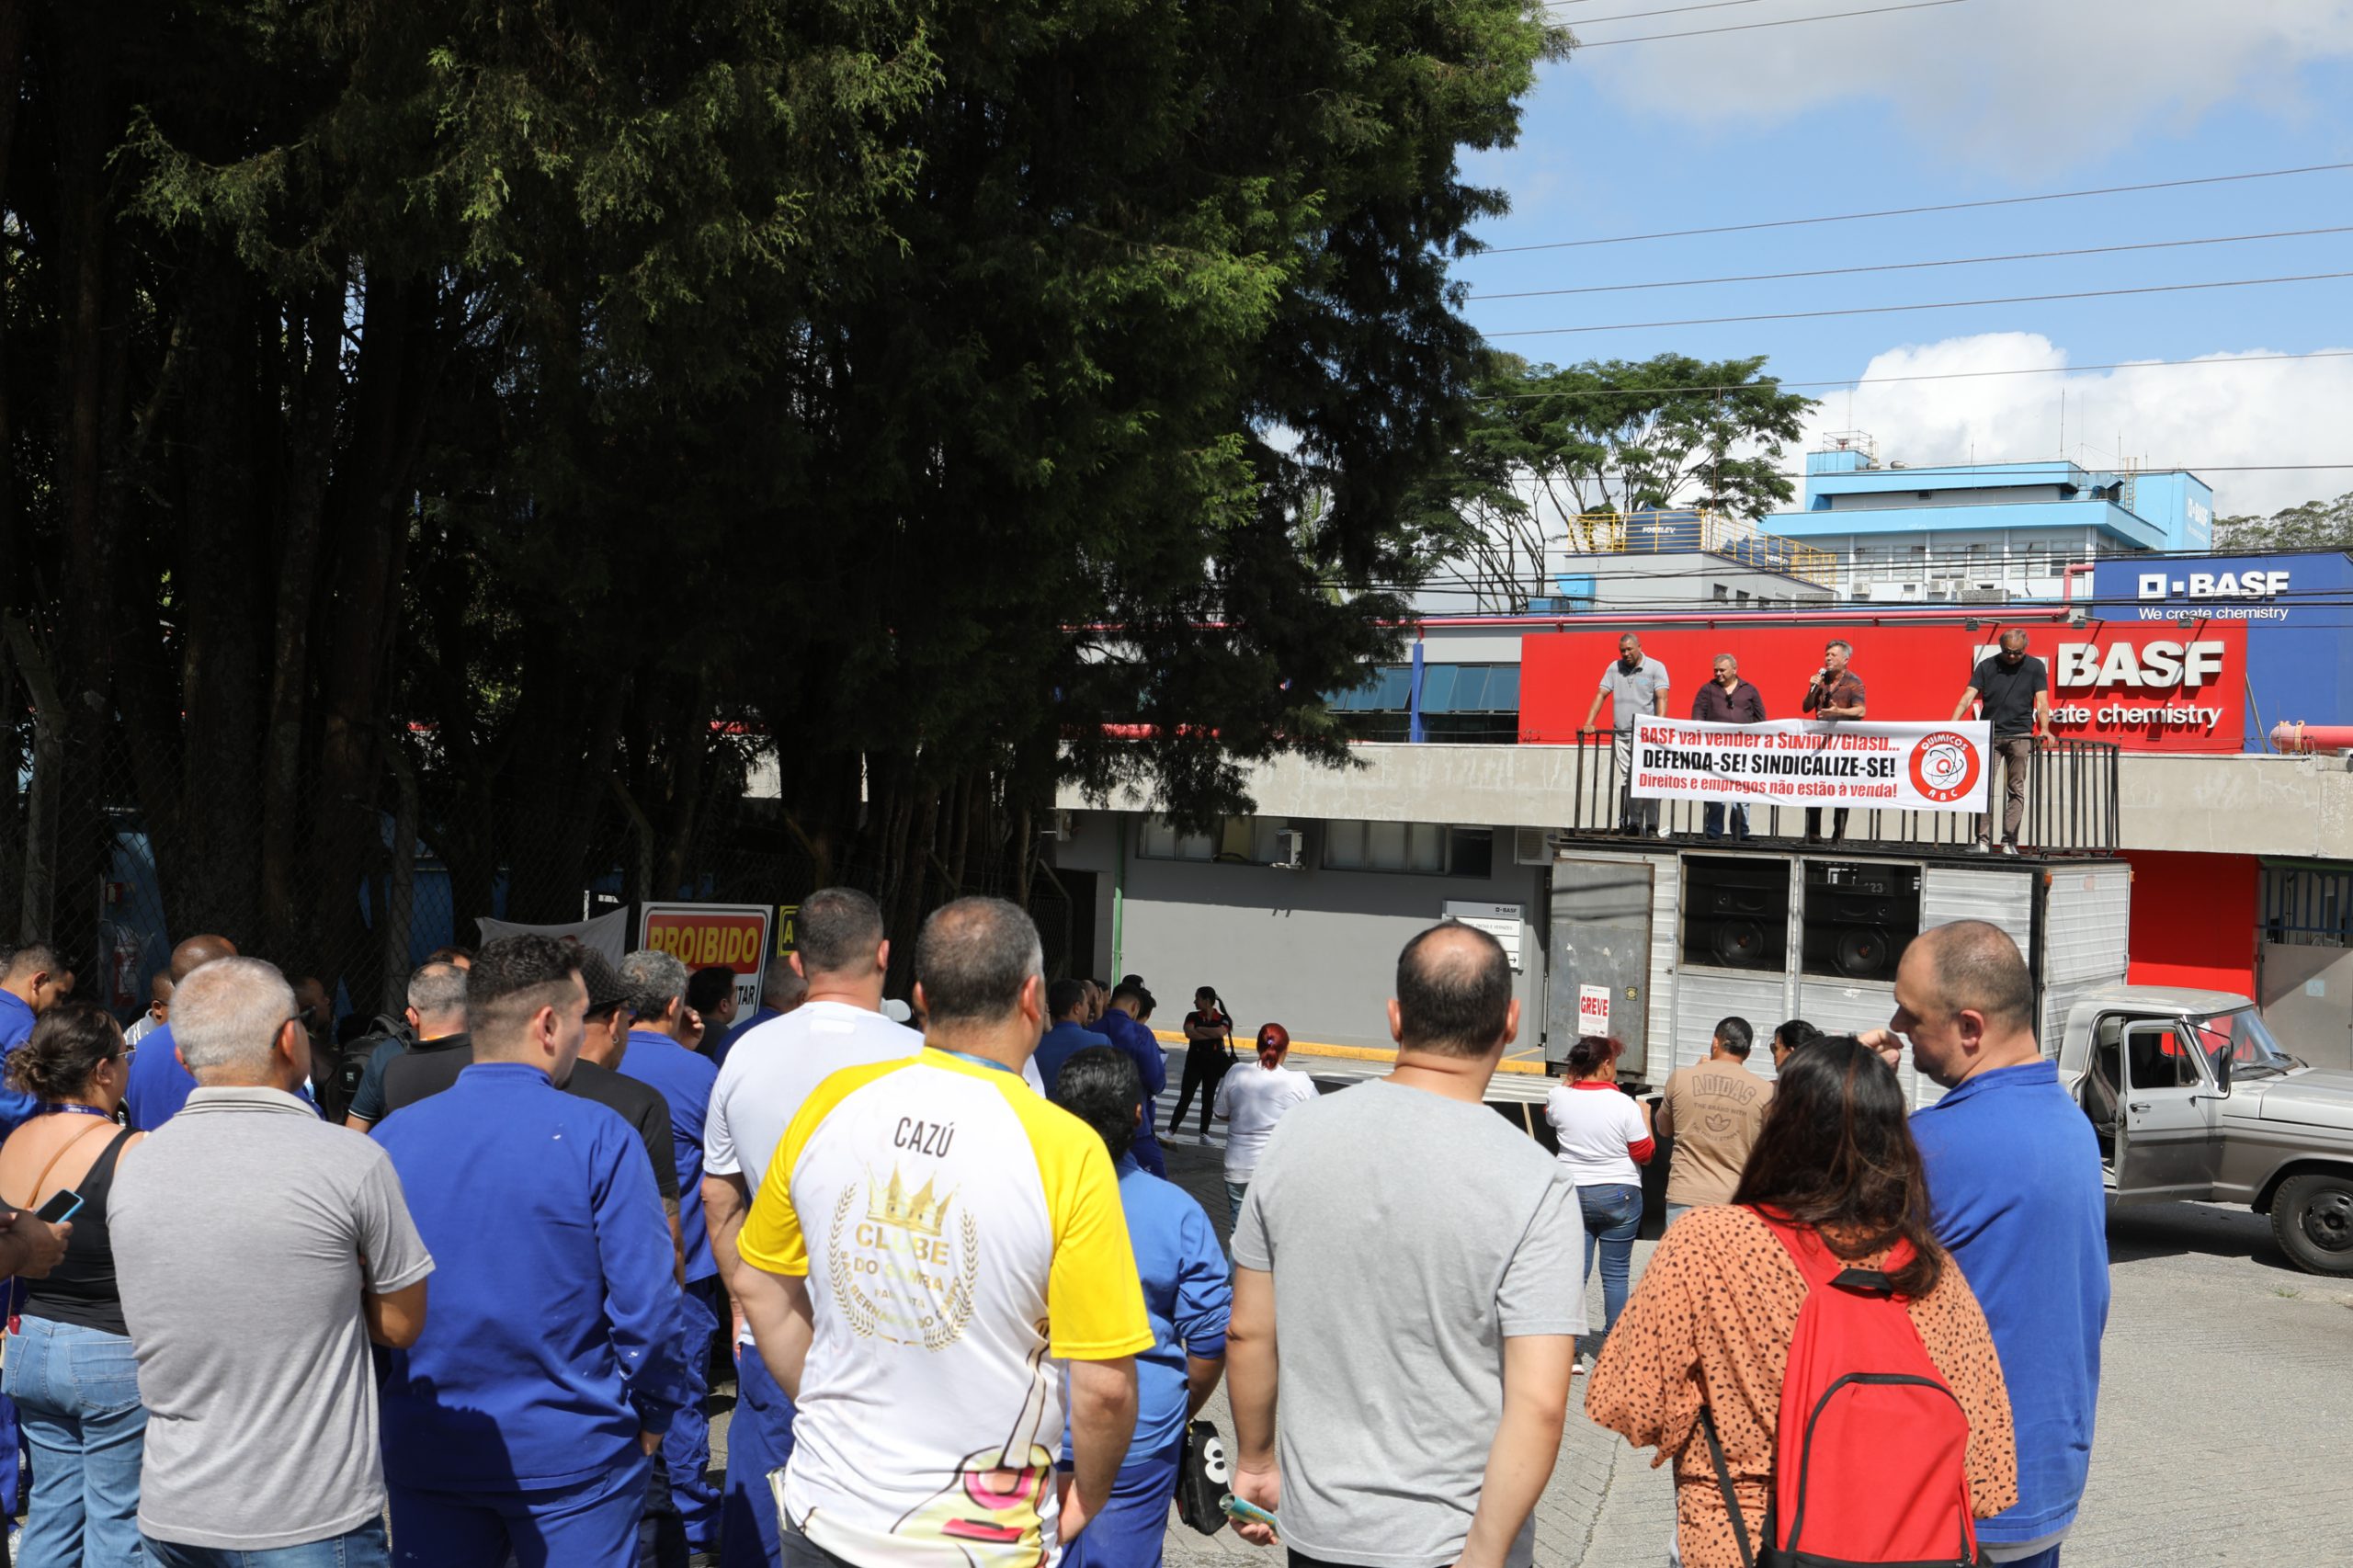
1681,532
2071,808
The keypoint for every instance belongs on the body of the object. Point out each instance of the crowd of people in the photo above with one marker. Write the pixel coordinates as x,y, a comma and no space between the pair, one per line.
2009,689
969,1321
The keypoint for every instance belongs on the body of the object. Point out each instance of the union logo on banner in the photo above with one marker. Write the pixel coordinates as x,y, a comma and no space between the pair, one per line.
1945,765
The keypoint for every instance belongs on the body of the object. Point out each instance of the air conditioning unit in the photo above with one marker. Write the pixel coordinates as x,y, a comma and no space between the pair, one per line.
1984,595
1292,842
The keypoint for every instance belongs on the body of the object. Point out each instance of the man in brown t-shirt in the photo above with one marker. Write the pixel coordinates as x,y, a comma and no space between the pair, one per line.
1712,1110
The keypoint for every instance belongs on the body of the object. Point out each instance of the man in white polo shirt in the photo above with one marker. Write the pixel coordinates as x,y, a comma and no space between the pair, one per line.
771,1069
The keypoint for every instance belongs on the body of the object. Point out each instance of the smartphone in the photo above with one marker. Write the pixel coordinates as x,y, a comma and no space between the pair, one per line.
1236,1508
63,1204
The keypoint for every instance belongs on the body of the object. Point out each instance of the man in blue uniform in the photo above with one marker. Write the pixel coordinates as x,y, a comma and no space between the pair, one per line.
1066,1004
1123,1025
1187,1296
159,1086
526,1416
657,1056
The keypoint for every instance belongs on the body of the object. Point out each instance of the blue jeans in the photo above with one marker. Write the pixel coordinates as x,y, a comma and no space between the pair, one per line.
1234,1192
360,1548
77,1393
1713,817
759,1442
1612,1214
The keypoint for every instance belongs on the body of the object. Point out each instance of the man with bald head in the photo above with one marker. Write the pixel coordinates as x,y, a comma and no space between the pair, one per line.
2015,1193
1465,1311
159,1083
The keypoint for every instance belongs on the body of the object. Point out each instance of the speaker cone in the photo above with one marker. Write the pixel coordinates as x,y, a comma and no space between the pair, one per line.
1737,944
1863,951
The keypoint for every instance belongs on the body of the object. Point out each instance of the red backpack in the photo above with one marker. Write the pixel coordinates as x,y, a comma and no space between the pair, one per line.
1869,1455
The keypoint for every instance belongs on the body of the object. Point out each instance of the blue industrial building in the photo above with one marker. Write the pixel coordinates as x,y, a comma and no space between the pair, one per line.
1987,533
2296,608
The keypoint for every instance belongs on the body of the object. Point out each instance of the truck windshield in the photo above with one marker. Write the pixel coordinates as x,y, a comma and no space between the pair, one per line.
2240,1037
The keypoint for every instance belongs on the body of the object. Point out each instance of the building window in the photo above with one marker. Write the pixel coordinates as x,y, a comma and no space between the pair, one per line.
2308,906
1743,597
1424,849
1722,593
1235,841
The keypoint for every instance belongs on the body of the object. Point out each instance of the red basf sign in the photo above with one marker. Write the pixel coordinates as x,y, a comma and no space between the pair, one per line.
2147,686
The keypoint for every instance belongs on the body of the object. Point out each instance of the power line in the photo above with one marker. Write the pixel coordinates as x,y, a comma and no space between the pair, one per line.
1918,265
1931,305
1913,211
1670,11
1934,376
1785,22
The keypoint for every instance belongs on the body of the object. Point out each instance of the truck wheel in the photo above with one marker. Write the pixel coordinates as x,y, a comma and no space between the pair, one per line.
2311,1217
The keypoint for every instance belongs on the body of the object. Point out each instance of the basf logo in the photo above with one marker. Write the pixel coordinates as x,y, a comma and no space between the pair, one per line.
2233,590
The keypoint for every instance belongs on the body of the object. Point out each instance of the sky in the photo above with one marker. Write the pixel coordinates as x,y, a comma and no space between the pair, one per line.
1970,100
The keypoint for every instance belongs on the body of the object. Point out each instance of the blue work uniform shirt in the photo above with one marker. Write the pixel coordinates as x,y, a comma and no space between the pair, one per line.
551,1337
1152,1066
2015,1194
1059,1044
737,1031
159,1086
1187,1295
16,1106
684,1078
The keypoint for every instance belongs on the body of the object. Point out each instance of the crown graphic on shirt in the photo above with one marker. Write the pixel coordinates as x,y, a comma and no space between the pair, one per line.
922,1213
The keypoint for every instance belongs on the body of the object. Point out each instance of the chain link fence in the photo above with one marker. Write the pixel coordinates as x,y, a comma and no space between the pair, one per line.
126,882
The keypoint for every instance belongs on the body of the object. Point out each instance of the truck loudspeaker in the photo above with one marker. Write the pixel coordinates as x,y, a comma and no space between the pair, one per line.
1860,918
1736,912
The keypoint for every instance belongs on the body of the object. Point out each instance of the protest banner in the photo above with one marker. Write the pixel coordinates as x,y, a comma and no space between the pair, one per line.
1896,767
701,934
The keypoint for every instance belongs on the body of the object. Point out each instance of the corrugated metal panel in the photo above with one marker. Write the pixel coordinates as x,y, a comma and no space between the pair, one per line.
1667,935
2058,1001
1850,1009
2006,898
1705,996
2086,922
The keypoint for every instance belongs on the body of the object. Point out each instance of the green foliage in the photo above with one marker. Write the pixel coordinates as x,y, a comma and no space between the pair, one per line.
2314,525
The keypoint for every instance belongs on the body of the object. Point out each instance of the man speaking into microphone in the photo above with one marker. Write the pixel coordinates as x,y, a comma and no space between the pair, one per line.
1835,692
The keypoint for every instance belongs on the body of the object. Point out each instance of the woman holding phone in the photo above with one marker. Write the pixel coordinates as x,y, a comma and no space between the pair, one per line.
69,1365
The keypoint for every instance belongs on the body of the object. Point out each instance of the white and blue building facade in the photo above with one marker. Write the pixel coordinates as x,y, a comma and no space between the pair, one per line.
1986,532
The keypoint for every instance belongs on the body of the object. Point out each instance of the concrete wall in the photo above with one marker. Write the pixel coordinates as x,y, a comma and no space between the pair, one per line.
1315,950
2226,804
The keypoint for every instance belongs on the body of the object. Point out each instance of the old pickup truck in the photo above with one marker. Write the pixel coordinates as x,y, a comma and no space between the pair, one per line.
2192,1100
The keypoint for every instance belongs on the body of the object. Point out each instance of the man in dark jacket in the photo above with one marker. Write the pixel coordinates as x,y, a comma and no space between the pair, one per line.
1728,699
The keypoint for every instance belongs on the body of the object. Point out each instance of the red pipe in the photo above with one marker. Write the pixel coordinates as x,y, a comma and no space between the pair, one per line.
2303,737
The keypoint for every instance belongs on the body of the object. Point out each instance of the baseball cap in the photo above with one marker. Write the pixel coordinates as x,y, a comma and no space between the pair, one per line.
604,982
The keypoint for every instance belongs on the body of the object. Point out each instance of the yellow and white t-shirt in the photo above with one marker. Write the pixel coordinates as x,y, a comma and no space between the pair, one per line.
959,1236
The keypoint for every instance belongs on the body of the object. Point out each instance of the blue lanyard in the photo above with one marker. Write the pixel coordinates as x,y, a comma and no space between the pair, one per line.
975,1061
58,1108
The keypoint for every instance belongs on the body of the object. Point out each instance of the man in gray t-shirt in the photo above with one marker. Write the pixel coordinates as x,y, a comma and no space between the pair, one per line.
1632,685
258,1250
1408,1287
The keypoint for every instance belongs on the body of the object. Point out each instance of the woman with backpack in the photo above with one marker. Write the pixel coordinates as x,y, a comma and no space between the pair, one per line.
1809,1350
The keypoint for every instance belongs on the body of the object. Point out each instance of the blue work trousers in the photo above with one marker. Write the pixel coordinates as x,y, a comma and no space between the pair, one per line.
361,1548
1128,1533
686,1448
759,1441
590,1524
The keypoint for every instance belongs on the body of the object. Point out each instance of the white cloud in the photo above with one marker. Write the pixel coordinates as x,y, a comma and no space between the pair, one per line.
2017,85
2220,411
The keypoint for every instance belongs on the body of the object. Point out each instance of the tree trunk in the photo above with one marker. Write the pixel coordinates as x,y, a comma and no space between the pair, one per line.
38,895
393,916
310,451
